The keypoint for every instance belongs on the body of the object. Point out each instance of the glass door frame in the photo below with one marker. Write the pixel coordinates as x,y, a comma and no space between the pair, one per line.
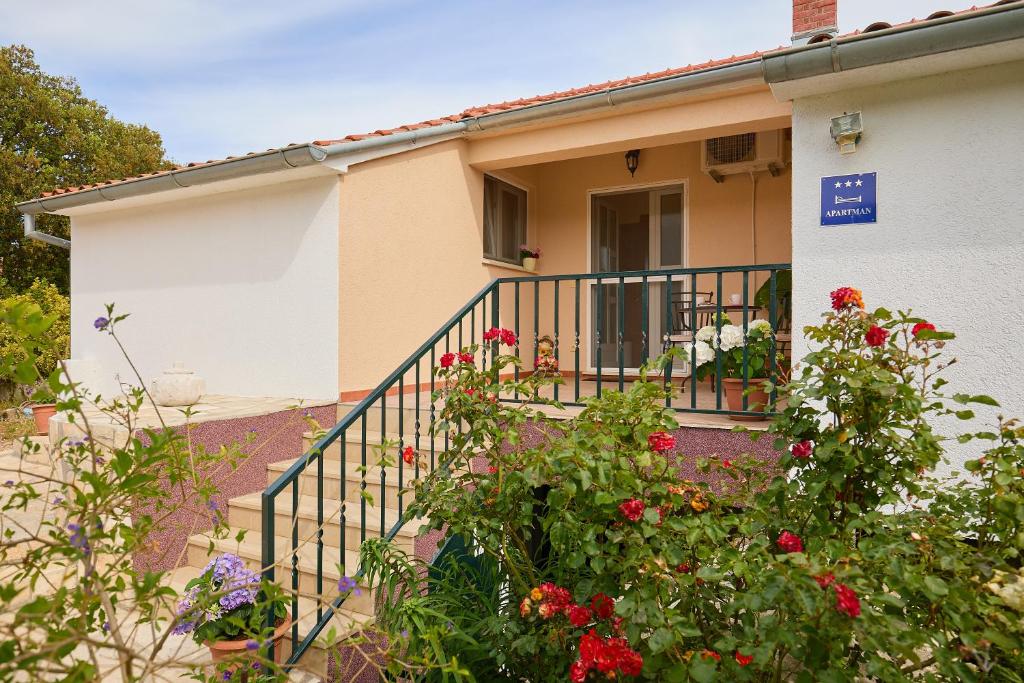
655,191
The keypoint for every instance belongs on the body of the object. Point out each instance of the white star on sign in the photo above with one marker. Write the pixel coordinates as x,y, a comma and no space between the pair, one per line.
859,183
839,183
849,183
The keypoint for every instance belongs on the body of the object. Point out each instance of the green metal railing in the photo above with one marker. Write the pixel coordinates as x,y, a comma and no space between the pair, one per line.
627,316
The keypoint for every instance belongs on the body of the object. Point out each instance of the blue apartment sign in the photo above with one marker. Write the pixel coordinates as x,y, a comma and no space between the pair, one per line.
849,199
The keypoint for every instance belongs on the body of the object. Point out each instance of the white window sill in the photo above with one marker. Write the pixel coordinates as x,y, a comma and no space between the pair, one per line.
507,266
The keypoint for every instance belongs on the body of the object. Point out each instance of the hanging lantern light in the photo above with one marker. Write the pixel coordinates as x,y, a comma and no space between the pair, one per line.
632,161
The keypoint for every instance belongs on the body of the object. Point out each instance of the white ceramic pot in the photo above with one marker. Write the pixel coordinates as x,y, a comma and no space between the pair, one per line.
177,387
530,264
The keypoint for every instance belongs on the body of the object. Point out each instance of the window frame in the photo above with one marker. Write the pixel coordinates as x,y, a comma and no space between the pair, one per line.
522,230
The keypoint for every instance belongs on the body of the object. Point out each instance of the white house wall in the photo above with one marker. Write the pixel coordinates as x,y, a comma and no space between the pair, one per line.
242,287
949,242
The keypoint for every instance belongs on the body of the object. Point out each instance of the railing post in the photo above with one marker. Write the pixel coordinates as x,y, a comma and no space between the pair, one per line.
267,557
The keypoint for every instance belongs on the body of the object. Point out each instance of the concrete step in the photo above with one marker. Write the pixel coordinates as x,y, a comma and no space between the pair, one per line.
390,414
332,481
245,512
353,445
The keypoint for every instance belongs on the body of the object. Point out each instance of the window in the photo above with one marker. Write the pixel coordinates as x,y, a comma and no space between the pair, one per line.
504,220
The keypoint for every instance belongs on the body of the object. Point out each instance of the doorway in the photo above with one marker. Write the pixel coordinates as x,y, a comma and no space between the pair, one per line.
632,230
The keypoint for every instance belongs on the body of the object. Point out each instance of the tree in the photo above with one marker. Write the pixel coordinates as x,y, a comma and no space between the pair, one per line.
51,136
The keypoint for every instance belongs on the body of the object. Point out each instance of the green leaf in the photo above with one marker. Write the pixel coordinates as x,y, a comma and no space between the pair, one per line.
936,586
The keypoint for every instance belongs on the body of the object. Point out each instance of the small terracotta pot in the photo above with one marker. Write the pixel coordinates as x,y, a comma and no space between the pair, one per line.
221,650
42,413
756,400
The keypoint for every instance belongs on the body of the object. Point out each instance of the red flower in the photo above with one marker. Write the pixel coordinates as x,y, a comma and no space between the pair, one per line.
555,598
846,600
578,672
447,360
508,337
466,357
632,509
607,655
408,455
804,449
683,568
876,336
631,662
470,392
790,543
491,469
727,464
660,442
846,297
711,654
491,334
602,605
743,660
922,326
825,580
579,615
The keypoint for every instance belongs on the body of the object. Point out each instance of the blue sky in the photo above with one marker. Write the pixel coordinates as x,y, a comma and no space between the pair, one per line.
219,77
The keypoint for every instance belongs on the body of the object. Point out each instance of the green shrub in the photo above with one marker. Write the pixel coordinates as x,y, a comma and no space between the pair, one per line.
17,346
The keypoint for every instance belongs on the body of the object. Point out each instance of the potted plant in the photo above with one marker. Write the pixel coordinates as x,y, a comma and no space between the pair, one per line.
730,341
529,255
44,407
226,608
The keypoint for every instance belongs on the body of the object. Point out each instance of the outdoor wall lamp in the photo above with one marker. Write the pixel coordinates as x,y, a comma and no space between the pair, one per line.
632,161
846,131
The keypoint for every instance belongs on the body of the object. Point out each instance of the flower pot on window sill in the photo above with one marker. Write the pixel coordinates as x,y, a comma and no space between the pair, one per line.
530,264
757,399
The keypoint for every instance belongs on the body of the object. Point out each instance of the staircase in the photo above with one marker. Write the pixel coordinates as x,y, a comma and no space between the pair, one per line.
340,539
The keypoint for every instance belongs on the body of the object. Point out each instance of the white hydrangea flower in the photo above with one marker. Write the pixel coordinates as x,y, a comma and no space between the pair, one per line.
705,354
730,337
763,325
705,334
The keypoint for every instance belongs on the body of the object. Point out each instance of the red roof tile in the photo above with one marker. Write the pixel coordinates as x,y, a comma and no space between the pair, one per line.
486,109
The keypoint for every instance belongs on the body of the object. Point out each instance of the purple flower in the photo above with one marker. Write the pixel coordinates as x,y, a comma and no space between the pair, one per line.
101,323
226,675
106,627
251,645
100,460
9,483
405,633
346,584
78,538
212,504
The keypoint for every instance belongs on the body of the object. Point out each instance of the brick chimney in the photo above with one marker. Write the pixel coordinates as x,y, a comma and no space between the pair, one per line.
813,17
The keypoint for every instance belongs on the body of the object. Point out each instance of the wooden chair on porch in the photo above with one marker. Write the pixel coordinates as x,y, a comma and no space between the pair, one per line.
682,332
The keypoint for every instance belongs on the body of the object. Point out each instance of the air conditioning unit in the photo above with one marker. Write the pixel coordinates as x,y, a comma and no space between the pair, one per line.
743,153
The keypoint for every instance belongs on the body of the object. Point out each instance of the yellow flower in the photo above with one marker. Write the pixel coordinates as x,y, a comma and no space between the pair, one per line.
699,504
536,595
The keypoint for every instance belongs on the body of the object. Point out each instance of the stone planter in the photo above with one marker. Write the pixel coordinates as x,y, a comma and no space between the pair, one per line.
757,400
177,387
530,264
42,413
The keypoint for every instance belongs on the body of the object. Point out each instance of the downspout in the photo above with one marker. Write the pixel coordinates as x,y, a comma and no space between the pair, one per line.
30,232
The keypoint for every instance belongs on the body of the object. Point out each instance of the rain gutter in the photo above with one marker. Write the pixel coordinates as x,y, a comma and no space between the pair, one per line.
957,32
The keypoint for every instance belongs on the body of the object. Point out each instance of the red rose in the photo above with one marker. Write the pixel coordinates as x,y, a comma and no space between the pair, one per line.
491,469
590,645
922,326
508,337
578,672
660,442
683,568
447,360
876,336
632,509
711,654
825,580
466,357
408,455
804,449
491,334
790,543
631,662
727,464
846,601
743,660
602,605
579,615
846,297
